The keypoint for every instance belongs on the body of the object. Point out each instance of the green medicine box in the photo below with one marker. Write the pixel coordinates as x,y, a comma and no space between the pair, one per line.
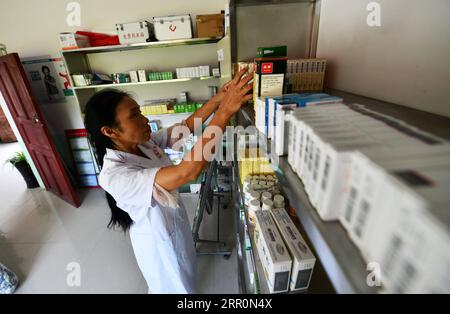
271,52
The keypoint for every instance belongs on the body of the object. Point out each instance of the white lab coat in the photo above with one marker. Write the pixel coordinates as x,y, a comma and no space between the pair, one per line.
161,236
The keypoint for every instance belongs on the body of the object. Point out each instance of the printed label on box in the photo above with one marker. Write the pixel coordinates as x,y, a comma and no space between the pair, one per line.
272,85
267,68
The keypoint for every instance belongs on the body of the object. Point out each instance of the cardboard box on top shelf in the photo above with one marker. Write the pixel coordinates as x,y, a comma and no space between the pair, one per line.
210,25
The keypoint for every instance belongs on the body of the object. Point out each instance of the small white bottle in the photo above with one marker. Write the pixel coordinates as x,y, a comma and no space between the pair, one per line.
266,196
255,195
270,184
247,181
254,206
276,190
278,201
271,178
267,205
247,195
257,187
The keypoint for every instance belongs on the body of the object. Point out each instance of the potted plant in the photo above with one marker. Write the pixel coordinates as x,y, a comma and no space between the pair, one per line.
19,161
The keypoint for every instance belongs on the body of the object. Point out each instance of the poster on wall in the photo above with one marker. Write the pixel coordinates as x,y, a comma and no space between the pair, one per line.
48,78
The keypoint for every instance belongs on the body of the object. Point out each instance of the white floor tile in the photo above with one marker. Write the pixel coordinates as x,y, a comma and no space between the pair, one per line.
41,235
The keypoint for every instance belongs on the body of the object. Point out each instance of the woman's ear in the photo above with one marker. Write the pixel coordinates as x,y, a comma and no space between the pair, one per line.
108,131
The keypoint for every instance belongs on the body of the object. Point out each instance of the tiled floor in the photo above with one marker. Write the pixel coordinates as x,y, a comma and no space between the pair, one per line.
45,242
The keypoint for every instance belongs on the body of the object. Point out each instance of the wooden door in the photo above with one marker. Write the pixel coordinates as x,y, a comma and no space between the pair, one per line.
24,109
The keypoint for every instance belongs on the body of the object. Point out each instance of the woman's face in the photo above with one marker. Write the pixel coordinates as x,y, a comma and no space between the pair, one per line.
133,126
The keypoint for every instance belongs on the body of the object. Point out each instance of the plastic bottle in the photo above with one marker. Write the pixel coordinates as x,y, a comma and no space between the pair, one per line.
247,181
255,195
278,201
267,205
257,187
254,206
266,196
247,195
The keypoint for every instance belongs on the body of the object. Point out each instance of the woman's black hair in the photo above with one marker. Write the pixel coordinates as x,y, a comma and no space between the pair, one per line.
101,111
45,67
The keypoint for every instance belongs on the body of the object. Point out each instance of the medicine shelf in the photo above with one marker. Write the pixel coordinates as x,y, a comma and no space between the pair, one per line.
266,2
245,286
340,258
147,82
259,286
153,44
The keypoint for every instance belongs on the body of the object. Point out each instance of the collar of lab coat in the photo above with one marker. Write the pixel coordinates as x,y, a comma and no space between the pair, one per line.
129,158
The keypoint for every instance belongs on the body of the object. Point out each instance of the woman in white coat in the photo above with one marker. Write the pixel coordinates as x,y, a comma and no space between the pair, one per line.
141,183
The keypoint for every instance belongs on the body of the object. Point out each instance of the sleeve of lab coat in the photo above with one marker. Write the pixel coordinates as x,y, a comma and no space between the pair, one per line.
129,185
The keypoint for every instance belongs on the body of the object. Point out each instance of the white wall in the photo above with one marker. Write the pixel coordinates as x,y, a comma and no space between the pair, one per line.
405,61
273,25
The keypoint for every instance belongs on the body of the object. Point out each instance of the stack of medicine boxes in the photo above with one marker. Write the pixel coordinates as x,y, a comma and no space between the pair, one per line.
391,211
386,182
287,261
270,114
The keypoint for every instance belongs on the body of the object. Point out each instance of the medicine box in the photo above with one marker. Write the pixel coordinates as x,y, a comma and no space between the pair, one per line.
73,41
268,79
273,253
382,184
173,27
135,32
303,259
210,25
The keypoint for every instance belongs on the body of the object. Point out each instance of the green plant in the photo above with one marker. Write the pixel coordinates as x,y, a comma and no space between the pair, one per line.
17,157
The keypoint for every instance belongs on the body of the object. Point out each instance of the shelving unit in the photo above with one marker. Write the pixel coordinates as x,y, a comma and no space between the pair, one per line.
245,266
340,258
169,119
146,83
246,230
151,56
154,44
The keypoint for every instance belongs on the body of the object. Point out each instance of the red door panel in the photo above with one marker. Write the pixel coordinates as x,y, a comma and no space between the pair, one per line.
28,118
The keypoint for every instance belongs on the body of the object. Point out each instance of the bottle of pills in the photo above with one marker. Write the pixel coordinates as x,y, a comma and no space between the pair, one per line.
253,207
266,196
278,201
247,181
267,205
257,187
255,195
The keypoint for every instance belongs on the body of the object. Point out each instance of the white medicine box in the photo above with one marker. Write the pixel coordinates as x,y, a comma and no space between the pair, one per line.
73,41
135,32
173,27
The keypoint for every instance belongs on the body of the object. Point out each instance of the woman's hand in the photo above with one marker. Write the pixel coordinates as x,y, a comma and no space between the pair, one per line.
217,98
236,93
